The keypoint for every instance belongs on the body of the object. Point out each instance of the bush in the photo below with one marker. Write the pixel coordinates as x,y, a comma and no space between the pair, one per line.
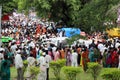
111,74
25,63
94,69
56,66
71,72
34,71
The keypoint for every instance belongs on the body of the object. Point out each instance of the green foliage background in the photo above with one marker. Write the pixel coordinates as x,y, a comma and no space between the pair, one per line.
94,69
57,66
111,74
71,72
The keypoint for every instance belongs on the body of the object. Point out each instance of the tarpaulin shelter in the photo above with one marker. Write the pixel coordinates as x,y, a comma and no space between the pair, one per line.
5,18
69,32
6,39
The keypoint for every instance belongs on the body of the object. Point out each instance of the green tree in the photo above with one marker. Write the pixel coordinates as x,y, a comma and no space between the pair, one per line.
7,6
94,14
112,13
24,5
65,10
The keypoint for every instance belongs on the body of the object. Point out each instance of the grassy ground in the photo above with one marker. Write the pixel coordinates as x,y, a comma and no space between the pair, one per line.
81,76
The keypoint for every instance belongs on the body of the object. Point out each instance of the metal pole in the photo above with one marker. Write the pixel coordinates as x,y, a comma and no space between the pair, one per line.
0,26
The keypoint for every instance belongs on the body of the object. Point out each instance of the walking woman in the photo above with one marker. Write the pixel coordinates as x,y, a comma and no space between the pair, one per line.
85,59
68,57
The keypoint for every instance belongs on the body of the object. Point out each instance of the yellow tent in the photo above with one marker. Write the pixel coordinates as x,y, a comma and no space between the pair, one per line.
115,32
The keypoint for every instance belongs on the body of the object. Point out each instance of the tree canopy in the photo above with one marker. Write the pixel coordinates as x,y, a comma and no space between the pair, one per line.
94,15
88,15
7,6
56,10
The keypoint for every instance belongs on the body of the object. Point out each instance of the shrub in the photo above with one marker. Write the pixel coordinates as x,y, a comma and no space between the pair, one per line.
34,71
94,69
71,72
25,63
111,74
56,66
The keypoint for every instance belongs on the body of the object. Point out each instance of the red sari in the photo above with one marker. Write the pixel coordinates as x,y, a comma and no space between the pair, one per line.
85,59
34,52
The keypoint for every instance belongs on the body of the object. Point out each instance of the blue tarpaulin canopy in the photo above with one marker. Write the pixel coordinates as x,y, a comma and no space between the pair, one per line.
69,32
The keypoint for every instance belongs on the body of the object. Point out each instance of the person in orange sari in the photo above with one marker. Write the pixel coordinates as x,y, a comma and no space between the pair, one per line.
85,59
62,52
44,30
38,31
17,35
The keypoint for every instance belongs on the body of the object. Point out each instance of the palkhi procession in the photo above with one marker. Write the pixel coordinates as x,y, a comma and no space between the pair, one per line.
29,44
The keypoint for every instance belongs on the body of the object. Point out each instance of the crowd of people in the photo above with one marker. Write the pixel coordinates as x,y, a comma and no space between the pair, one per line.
29,44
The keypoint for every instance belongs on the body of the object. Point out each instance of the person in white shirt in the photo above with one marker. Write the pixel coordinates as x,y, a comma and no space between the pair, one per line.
19,65
48,60
100,46
119,57
13,48
74,59
119,62
117,44
42,63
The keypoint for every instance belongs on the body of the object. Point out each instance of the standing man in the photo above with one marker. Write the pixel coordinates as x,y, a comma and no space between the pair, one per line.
19,65
42,63
48,60
31,62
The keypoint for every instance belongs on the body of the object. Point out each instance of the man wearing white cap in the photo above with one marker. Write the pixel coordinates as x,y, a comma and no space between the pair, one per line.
48,60
19,65
13,48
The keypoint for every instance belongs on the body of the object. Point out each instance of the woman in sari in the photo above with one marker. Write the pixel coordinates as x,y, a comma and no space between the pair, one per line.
85,59
91,55
5,68
68,57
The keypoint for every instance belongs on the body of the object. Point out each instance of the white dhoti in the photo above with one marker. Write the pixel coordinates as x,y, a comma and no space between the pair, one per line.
42,75
119,63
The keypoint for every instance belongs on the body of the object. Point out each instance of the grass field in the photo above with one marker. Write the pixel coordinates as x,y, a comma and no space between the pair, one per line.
81,76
